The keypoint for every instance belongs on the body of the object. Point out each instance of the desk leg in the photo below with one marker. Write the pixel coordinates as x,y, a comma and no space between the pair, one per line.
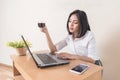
15,71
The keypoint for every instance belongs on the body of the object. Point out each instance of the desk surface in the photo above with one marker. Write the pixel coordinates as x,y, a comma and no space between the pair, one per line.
28,69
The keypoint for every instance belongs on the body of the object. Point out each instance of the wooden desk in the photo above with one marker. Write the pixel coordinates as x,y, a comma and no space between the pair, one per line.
24,68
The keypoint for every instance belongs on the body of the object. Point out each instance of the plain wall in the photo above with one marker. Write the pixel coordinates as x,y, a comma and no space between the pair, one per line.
21,17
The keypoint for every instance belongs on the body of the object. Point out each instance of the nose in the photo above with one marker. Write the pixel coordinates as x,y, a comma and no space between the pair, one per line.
71,24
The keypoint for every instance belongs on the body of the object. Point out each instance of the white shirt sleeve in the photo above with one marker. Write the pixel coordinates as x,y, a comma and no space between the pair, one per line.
61,44
92,48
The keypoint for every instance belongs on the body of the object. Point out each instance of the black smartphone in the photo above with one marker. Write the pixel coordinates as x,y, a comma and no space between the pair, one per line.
41,25
79,69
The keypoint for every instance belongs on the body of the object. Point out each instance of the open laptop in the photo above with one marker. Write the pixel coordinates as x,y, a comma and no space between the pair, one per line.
45,59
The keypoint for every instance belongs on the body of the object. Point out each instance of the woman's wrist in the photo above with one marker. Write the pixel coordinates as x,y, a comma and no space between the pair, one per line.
47,34
78,57
75,57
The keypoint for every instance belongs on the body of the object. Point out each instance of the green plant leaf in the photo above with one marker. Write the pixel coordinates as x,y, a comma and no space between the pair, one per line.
18,44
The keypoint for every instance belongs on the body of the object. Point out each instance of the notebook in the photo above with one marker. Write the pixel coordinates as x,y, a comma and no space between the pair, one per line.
45,59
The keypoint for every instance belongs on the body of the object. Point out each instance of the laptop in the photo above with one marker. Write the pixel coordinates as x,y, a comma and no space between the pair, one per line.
45,59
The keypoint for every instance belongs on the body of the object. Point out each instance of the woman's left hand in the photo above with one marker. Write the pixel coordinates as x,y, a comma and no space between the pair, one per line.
64,55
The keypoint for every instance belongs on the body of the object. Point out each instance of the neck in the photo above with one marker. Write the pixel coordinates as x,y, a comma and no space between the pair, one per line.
75,35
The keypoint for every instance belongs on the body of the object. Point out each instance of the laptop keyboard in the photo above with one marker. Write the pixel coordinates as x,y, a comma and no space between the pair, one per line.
46,59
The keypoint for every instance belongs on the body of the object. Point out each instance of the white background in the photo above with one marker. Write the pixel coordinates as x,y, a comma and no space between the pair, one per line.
21,17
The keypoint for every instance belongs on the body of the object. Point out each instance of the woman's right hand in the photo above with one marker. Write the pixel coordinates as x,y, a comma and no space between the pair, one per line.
44,29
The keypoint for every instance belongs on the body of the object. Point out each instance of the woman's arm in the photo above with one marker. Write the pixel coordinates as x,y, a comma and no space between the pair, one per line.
65,55
49,41
84,58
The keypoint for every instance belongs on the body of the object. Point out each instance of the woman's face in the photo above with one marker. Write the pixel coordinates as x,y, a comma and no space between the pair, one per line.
73,24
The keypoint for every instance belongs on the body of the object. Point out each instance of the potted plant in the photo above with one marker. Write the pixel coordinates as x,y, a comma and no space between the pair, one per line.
19,46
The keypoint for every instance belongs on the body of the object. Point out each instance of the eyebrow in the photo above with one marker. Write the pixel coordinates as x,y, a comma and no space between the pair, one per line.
74,20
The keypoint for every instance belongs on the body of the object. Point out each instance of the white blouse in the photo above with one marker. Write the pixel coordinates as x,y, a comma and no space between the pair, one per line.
84,46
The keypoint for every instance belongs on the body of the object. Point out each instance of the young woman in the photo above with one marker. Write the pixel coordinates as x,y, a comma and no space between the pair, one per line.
80,39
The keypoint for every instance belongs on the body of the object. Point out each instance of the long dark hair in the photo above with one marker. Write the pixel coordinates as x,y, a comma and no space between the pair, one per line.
82,19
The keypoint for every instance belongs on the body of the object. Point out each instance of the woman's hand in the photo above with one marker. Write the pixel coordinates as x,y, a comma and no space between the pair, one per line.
44,29
64,55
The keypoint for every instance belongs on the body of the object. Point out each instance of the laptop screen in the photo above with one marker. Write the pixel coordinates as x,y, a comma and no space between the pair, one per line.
28,49
26,44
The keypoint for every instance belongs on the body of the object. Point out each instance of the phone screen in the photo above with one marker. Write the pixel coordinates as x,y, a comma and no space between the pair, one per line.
79,68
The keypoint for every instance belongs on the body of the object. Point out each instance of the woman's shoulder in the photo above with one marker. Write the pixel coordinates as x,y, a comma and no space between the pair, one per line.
68,37
89,34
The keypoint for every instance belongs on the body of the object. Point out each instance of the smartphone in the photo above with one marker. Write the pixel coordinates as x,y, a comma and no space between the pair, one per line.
41,25
79,69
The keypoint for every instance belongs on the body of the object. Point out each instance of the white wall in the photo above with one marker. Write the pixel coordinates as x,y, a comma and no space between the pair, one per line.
21,17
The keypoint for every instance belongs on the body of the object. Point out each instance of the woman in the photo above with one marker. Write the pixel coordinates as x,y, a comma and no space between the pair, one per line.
80,39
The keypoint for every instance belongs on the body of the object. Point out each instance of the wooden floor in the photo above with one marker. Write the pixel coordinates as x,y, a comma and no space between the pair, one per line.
6,72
